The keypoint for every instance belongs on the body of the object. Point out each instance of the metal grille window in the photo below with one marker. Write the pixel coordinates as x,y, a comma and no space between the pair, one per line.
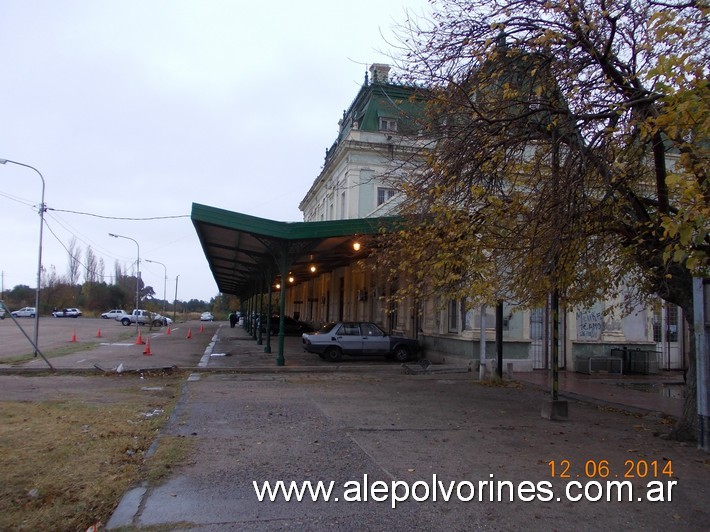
385,194
665,315
536,323
453,316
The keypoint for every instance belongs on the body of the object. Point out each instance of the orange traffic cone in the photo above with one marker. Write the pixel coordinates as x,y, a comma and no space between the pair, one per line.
202,328
139,339
189,334
146,351
168,330
98,334
73,336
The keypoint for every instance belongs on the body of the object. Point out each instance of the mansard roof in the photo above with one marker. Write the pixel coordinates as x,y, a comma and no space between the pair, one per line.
378,98
381,98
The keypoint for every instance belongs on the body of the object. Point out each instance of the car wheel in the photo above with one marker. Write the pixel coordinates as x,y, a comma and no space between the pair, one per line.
333,354
401,353
157,323
125,321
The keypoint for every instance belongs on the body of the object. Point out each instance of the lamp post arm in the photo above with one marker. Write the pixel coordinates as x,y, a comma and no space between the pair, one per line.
175,303
165,282
42,208
138,270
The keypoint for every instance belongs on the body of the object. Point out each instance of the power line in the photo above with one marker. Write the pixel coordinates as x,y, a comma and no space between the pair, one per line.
69,252
18,199
121,218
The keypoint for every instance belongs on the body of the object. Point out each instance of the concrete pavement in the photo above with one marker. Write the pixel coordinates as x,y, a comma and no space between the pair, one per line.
367,422
363,422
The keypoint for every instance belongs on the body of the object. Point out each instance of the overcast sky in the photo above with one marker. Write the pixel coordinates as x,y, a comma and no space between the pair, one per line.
136,109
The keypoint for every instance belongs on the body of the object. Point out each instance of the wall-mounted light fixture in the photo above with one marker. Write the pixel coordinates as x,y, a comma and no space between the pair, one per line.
313,268
356,246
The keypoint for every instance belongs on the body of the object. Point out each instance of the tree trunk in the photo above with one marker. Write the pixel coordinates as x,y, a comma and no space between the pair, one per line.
686,428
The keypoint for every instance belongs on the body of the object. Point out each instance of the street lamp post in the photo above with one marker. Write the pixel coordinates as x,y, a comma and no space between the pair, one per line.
175,304
165,282
39,254
138,272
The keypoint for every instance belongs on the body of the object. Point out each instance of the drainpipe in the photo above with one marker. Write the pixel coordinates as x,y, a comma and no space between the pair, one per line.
499,338
701,291
482,352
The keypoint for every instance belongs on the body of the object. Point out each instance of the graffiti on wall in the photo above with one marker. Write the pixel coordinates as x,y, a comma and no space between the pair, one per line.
589,324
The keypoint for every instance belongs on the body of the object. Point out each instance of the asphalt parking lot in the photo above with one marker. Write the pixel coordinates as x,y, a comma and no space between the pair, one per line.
56,333
232,349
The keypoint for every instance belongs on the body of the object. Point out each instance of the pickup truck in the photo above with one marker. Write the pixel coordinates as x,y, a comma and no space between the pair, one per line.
143,317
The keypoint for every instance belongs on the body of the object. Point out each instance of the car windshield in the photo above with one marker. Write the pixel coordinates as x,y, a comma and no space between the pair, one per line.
325,329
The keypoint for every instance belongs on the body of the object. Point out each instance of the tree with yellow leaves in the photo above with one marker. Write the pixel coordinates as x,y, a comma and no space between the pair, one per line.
569,153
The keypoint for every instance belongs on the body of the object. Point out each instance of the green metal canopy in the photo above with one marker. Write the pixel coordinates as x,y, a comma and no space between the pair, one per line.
242,249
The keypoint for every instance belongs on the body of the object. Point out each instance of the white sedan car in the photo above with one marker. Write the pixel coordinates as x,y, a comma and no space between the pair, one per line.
116,314
206,316
25,312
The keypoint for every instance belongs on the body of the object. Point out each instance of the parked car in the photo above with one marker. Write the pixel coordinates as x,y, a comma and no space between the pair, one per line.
334,340
144,317
292,326
2,313
67,313
116,314
24,312
206,316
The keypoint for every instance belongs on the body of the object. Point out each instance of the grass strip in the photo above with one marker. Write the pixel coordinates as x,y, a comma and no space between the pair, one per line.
65,464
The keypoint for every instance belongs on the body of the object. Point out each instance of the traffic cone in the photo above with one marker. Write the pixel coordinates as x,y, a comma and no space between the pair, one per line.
189,334
202,328
98,334
168,330
146,351
73,336
139,339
